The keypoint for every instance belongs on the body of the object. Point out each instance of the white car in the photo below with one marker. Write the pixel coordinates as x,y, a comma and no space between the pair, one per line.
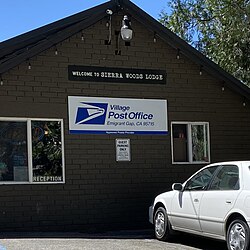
214,202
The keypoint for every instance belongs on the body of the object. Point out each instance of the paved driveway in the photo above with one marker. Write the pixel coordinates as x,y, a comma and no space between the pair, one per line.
122,240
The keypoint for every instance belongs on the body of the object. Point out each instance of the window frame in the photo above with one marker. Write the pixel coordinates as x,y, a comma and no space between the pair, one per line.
29,150
189,142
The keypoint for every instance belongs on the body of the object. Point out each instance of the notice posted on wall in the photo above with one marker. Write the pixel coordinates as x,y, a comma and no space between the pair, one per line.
123,150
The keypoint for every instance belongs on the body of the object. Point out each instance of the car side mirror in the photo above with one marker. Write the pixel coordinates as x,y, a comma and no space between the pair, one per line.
177,187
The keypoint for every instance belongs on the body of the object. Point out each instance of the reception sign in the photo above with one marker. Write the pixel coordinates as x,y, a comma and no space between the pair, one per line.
100,115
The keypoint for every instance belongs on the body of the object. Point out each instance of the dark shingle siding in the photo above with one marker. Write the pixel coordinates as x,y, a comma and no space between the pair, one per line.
98,189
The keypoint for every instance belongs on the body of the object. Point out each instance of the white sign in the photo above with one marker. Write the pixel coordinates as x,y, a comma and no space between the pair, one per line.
117,115
123,150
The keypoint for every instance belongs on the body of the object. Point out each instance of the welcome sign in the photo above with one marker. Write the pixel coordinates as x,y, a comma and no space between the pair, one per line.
117,75
100,115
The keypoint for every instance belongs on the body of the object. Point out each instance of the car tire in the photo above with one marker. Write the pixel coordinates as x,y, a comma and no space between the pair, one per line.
238,235
162,226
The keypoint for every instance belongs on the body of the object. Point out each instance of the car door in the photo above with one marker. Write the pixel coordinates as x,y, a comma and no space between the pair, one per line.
185,204
219,199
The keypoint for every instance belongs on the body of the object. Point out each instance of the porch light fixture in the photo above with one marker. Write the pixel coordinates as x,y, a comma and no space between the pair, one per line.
178,54
155,40
201,70
109,24
126,30
1,80
244,103
223,87
82,36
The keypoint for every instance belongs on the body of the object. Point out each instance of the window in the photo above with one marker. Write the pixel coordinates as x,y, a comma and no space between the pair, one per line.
31,151
227,178
201,180
13,151
190,142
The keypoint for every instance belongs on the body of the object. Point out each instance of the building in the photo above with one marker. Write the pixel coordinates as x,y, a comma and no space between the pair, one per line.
92,127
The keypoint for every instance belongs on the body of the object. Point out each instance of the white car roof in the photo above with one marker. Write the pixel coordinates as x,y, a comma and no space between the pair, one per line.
231,162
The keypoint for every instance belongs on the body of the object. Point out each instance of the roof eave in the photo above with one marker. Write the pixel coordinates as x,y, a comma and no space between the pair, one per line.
47,36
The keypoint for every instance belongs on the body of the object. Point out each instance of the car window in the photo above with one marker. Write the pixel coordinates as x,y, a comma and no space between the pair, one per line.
227,178
201,180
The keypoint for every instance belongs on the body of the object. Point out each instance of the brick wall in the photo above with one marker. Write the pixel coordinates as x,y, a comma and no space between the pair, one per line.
100,193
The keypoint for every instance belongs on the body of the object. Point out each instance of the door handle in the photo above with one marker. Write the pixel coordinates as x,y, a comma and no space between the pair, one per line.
228,202
196,200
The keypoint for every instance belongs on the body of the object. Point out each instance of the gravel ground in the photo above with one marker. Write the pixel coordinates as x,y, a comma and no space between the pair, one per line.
121,240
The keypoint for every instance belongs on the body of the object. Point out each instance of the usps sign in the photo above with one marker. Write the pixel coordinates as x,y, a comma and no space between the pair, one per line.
101,115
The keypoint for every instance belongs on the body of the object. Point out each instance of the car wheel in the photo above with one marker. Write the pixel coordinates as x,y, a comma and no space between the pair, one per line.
238,235
163,230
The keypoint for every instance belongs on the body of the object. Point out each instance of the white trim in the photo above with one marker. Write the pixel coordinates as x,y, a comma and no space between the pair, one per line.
29,144
63,155
29,149
15,119
189,142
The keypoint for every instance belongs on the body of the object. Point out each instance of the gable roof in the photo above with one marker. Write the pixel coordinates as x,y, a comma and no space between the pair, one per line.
18,49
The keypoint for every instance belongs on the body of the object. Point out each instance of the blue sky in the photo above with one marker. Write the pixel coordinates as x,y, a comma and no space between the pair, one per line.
19,16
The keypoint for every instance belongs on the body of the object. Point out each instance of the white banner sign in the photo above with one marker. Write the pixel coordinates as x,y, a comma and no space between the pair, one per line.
91,115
